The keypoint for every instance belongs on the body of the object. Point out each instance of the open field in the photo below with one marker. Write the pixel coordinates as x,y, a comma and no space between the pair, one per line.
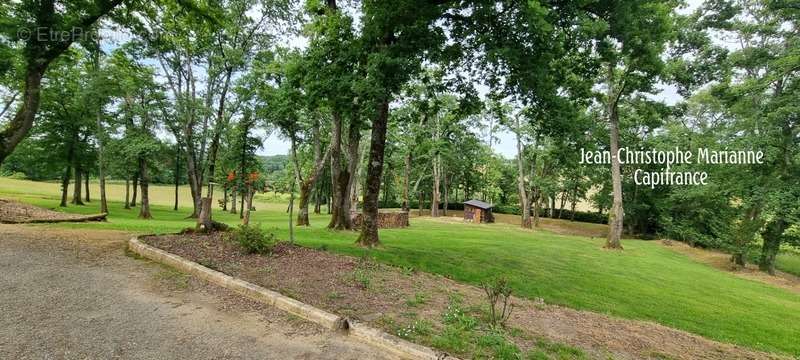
647,281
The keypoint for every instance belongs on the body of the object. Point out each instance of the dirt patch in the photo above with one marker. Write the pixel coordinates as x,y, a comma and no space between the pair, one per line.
14,212
402,301
722,261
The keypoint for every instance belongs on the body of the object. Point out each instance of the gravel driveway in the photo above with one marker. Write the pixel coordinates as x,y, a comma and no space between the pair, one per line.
75,294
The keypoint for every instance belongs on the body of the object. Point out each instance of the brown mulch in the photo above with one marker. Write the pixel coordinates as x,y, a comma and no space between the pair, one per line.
14,212
332,282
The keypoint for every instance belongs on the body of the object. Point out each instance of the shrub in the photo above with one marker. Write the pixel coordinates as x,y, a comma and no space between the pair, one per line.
253,239
566,214
498,295
17,176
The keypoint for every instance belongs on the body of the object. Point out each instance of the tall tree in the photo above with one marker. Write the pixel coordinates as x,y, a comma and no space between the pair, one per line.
630,39
36,23
396,38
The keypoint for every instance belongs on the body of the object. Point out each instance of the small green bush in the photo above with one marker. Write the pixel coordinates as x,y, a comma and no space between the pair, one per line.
498,295
253,239
17,176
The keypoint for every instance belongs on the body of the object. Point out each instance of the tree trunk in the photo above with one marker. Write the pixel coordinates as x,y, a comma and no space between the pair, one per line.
420,203
100,135
406,176
17,129
177,178
436,186
233,198
195,181
572,206
354,169
144,209
446,196
291,215
65,185
343,181
369,229
537,207
305,194
317,201
204,222
86,196
76,194
337,221
307,184
616,214
225,198
219,126
523,194
127,193
772,241
249,197
135,188
241,206
101,171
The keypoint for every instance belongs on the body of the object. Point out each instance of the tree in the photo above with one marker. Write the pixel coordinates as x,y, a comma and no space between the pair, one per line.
27,21
630,38
392,57
331,69
139,97
753,105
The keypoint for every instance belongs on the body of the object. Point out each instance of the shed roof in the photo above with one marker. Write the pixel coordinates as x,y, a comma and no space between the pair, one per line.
478,204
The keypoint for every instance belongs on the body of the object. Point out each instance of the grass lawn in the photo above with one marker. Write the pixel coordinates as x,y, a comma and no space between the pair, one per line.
789,262
646,281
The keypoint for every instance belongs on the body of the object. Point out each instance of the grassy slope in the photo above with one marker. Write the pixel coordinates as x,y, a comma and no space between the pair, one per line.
646,281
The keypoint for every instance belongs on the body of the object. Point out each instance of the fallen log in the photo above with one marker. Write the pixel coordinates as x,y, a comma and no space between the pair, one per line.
96,217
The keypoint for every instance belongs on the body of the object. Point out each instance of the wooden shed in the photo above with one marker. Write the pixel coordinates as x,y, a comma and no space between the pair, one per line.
478,212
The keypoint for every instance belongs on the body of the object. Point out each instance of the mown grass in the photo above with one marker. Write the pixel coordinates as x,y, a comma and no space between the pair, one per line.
645,281
789,262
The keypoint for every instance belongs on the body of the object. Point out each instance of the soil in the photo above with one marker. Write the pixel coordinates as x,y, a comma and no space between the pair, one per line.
75,294
722,261
14,212
336,283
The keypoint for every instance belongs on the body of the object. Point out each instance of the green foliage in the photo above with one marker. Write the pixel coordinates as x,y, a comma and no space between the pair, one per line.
364,271
545,349
498,297
253,239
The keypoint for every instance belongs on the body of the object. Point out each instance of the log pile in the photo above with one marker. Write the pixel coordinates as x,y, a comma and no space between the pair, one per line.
386,220
14,212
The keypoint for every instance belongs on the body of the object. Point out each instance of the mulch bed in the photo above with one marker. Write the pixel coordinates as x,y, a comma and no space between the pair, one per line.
385,299
14,212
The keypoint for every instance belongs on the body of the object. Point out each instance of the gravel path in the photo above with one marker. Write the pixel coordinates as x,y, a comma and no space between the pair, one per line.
75,294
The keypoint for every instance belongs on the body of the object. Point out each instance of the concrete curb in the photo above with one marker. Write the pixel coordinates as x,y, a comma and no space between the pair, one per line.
365,333
394,344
